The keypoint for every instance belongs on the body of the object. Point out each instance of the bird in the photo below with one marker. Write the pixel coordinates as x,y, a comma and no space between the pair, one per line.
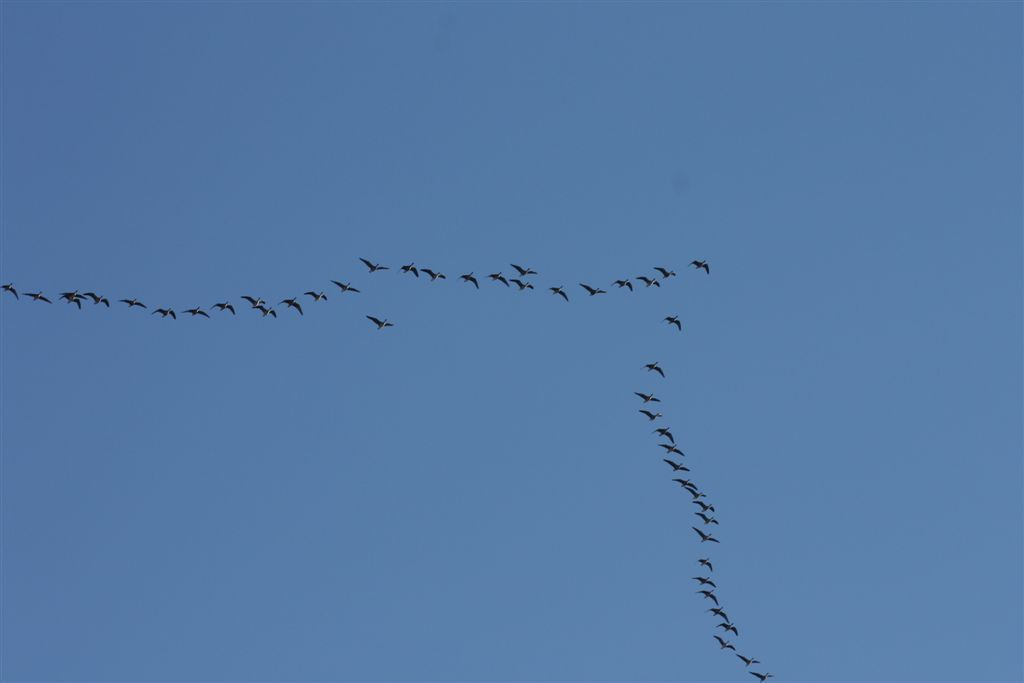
164,312
705,562
655,367
696,494
345,287
686,484
523,272
674,320
648,281
623,283
748,660
132,302
38,296
374,267
592,290
411,268
225,306
197,311
726,645
676,467
728,627
709,595
9,287
664,431
671,448
560,292
97,299
316,296
707,520
704,507
468,277
647,397
292,303
705,581
704,536
381,324
719,612
665,272
498,277
434,275
760,677
266,311
72,298
701,264
254,300
522,285
651,416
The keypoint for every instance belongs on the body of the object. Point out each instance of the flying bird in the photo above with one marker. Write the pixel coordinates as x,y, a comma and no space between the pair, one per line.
72,298
701,264
708,595
381,324
345,287
726,645
164,312
292,303
674,320
648,281
664,431
225,306
748,661
255,301
266,311
686,484
623,283
704,536
9,287
374,267
705,581
316,296
705,562
676,467
523,272
651,416
468,277
498,277
719,612
97,299
132,302
411,268
38,296
707,520
728,627
761,677
522,285
592,290
647,397
665,272
696,494
560,292
704,507
655,367
197,311
434,275
671,448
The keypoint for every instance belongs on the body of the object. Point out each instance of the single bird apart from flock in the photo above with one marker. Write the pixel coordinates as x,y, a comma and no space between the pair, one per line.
381,324
674,320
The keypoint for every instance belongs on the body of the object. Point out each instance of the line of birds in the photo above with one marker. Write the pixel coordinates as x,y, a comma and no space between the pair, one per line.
707,586
264,308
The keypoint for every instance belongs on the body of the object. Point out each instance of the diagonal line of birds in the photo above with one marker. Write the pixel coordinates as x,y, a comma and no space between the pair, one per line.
673,454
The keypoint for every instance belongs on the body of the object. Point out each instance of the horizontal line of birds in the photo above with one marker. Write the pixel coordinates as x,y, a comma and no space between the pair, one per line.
699,499
262,306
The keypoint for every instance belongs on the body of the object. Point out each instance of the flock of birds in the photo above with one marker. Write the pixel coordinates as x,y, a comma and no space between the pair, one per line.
707,585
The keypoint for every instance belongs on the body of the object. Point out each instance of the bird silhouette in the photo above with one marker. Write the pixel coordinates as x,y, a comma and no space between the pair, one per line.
726,645
708,595
671,448
705,537
225,306
197,311
345,287
38,296
664,431
719,612
381,324
411,268
72,298
651,416
760,677
9,287
468,277
748,660
164,312
705,581
132,302
266,311
560,292
623,283
374,267
648,397
498,277
701,264
254,300
655,367
728,627
648,281
705,562
665,272
704,507
523,272
317,296
707,520
292,303
676,467
97,298
434,275
686,484
592,290
674,320
520,284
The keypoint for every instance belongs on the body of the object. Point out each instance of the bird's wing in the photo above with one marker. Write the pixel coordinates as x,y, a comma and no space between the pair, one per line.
369,264
376,321
204,313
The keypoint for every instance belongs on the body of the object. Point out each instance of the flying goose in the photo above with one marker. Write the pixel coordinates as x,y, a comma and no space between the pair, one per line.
523,272
468,277
708,595
665,272
520,284
623,283
9,287
225,306
132,302
266,311
761,677
97,299
316,296
498,277
38,296
671,448
707,520
726,645
719,612
255,301
411,268
72,298
728,627
648,281
592,290
705,562
701,264
704,507
686,484
560,292
674,320
434,275
381,324
655,367
374,267
197,311
647,397
704,536
292,303
651,416
676,467
345,287
748,660
164,312
705,581
664,431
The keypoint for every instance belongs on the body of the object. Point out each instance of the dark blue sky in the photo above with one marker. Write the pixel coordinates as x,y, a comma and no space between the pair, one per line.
472,494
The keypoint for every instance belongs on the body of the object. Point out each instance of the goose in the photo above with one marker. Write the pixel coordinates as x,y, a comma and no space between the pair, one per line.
701,264
592,290
704,507
648,281
97,299
705,581
316,296
719,612
686,484
560,292
411,268
381,324
292,303
665,272
523,272
676,467
726,645
164,312
728,627
520,284
225,306
705,562
696,494
671,448
664,431
761,677
748,660
707,520
255,301
655,367
197,311
132,302
623,283
345,287
705,537
38,296
374,267
498,277
266,311
651,416
468,277
72,298
708,595
647,397
9,287
674,320
434,275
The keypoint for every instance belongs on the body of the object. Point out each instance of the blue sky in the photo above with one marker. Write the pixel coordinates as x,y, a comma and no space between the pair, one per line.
472,494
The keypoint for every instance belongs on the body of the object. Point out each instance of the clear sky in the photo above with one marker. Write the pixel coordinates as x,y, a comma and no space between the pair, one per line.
472,494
